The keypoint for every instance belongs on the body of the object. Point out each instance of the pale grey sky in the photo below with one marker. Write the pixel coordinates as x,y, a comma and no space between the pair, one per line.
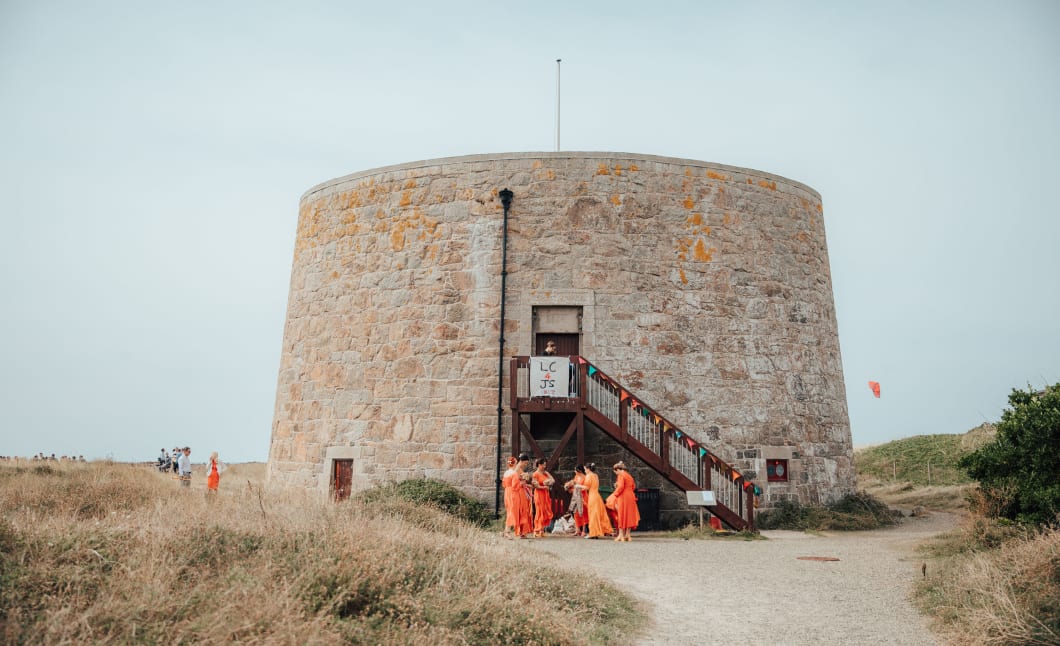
152,157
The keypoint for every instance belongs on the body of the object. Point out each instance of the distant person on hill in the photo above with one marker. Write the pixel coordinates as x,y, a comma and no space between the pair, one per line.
176,458
214,468
163,461
184,468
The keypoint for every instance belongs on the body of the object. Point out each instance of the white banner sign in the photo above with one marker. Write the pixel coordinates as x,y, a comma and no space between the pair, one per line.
549,377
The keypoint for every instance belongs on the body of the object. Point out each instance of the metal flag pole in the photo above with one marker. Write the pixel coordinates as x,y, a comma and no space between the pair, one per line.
558,61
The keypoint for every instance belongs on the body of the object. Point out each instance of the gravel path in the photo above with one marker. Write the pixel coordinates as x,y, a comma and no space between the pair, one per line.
759,592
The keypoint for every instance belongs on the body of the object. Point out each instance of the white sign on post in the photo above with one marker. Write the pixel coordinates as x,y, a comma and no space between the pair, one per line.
549,377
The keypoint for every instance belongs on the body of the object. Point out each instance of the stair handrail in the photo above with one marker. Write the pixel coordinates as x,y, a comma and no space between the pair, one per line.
700,466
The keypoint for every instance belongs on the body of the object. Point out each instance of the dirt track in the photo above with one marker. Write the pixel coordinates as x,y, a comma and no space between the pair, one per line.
759,592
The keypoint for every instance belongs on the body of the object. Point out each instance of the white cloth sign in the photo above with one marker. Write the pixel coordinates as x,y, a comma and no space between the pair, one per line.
549,377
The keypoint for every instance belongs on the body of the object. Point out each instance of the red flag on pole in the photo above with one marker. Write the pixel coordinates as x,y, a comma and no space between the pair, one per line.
875,387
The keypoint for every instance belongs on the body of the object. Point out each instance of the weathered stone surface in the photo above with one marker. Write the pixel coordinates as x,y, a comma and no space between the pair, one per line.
704,288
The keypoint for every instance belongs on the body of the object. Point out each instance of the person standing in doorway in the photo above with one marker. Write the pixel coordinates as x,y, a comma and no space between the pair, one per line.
184,468
550,348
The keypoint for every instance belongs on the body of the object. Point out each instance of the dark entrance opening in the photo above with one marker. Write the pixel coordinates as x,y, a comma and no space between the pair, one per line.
342,479
566,344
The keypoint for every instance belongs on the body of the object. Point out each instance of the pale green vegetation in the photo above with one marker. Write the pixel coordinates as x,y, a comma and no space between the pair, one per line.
116,553
921,471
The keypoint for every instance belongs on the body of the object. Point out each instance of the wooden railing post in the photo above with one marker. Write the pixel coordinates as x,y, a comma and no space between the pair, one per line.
664,449
583,382
623,417
751,508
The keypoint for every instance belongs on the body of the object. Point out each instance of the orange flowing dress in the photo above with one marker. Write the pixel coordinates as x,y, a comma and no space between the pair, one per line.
510,518
599,525
582,519
522,496
542,502
626,513
213,478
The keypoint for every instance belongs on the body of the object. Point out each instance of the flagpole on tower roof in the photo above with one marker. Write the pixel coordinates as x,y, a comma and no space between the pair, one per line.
558,61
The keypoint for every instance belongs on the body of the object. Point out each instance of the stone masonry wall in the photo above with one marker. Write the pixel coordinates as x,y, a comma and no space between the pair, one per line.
704,288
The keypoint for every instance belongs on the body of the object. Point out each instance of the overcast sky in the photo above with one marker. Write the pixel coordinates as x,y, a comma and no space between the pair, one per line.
152,157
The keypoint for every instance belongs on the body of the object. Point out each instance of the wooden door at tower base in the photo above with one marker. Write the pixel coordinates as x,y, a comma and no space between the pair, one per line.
342,479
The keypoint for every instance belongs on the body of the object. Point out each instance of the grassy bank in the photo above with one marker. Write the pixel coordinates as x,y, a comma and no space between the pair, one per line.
991,583
921,460
102,552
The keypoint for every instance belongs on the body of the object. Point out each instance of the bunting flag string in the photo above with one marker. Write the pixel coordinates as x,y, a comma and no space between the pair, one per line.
592,371
678,433
702,451
735,475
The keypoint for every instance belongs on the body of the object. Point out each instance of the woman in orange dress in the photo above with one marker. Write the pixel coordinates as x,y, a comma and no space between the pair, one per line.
542,483
580,501
599,525
510,514
213,473
627,516
522,496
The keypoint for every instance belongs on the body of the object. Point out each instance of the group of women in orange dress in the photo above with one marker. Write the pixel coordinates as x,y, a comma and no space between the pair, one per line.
528,501
527,498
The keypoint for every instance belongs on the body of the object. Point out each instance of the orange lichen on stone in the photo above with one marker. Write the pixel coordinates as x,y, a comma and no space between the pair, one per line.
767,184
701,253
406,198
689,203
427,228
750,181
684,279
802,236
618,169
616,200
696,219
334,274
711,174
537,164
819,207
410,183
688,172
633,168
603,170
550,174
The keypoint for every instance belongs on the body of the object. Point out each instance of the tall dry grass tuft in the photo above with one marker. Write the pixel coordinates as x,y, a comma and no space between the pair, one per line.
102,552
1000,585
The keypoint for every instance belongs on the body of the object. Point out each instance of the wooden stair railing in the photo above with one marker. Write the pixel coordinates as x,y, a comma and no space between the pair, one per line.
607,405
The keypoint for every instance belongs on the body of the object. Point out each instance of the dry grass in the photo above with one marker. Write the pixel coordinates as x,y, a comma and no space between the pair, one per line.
951,498
998,585
114,553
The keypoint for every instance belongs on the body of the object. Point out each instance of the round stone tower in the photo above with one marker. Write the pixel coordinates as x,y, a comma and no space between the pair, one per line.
703,288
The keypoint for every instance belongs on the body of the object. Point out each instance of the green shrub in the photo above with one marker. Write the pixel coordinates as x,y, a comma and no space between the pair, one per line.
856,511
435,493
1017,472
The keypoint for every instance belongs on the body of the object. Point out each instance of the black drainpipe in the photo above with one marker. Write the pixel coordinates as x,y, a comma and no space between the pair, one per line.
506,201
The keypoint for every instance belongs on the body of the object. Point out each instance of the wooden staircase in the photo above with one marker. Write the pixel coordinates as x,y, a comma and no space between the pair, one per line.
600,401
